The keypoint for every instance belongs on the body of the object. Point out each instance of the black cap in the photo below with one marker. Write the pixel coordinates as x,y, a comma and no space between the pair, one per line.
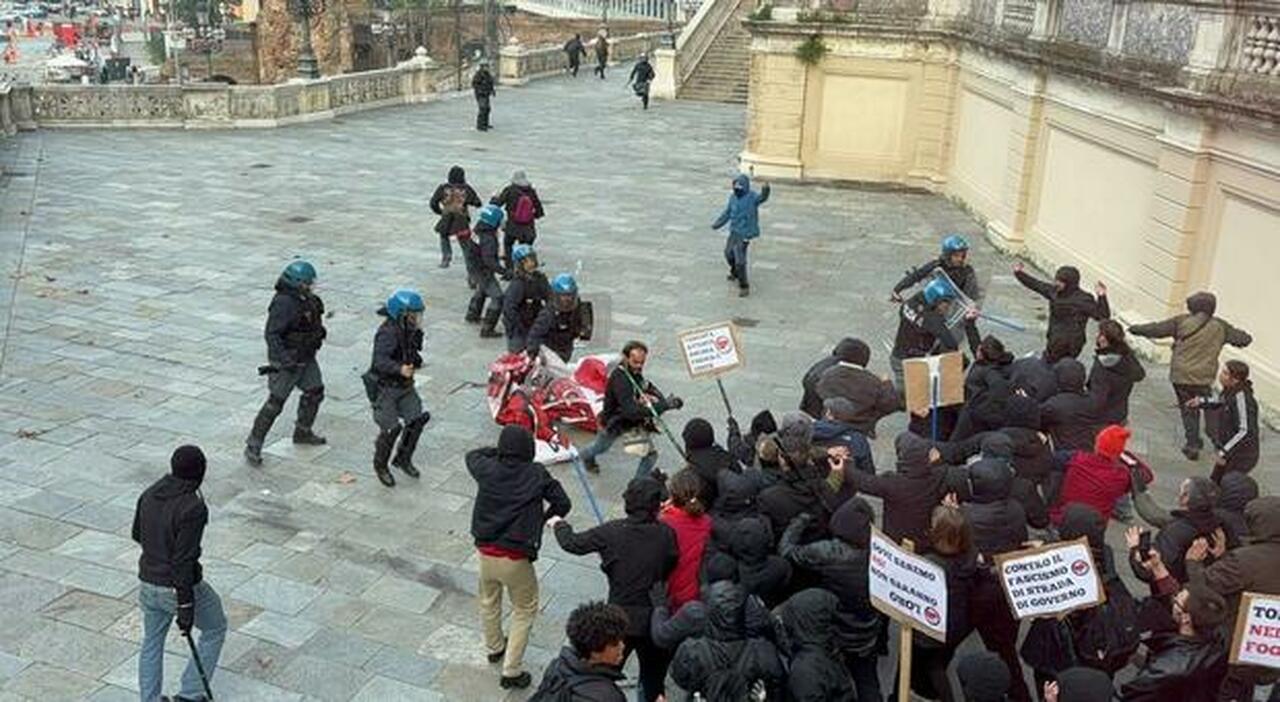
187,462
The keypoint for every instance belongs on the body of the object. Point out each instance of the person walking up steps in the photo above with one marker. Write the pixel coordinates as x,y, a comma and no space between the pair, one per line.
742,214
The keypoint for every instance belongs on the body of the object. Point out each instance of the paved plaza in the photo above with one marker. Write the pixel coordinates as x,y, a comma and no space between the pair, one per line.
138,267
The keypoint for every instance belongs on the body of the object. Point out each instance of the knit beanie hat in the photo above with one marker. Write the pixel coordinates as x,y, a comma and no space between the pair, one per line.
853,351
698,434
187,463
1110,442
984,677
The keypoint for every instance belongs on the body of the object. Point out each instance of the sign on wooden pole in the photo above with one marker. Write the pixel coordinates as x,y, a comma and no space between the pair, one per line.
1257,636
1050,581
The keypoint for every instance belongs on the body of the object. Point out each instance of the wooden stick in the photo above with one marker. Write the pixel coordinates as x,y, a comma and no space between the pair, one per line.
904,648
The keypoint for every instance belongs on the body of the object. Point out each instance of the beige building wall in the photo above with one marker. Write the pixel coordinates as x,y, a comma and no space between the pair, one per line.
1156,202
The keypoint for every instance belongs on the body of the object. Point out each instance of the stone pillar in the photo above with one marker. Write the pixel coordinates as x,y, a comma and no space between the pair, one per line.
1024,146
1213,45
510,68
666,79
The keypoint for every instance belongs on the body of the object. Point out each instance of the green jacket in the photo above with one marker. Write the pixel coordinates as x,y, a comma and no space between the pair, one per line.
1197,341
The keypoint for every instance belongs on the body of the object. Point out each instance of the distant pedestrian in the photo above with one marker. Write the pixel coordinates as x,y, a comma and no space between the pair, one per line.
169,523
482,86
602,52
641,77
451,200
575,51
514,496
742,214
1198,337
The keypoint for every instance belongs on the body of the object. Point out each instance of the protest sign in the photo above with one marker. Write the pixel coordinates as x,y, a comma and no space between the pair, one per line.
711,350
1257,636
907,587
1050,581
920,374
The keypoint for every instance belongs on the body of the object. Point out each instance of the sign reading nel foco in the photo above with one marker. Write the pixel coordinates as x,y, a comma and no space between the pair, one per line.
711,350
908,588
1257,637
1050,580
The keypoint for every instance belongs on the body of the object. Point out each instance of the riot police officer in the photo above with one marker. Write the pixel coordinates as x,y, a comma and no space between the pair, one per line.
397,408
524,297
954,261
294,333
561,322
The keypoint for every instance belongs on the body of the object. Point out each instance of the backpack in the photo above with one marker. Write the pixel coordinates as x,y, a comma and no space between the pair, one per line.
455,200
524,211
1110,630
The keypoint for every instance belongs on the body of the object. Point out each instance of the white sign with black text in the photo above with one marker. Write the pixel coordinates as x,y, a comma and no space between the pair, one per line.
1050,580
907,587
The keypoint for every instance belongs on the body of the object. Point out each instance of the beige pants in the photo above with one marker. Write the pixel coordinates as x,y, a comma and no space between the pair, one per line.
521,582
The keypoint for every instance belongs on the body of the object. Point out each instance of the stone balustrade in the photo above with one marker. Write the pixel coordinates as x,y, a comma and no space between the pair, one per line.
518,65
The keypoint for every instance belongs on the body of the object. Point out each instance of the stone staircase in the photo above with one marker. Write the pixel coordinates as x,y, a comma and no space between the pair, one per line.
723,73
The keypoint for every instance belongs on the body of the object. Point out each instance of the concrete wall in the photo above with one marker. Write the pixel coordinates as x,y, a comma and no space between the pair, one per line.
1155,198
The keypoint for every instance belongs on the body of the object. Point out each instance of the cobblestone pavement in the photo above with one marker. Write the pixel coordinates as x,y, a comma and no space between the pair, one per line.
139,265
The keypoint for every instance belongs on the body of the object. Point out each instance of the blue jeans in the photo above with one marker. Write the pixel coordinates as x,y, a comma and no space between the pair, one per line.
735,254
159,605
604,441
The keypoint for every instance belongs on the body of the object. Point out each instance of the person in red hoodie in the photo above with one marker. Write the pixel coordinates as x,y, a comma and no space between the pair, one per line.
687,516
1096,478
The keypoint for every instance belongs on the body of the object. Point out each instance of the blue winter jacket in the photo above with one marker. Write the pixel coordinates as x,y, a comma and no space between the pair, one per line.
742,213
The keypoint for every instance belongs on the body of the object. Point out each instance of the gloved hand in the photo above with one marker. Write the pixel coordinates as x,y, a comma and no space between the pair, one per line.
733,427
658,594
186,617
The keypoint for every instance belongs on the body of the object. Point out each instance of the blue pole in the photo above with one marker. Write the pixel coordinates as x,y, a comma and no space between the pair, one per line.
586,487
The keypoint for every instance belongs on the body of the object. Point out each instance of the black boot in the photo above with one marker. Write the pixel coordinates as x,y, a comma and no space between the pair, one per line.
308,407
381,453
487,329
253,454
408,443
474,308
261,426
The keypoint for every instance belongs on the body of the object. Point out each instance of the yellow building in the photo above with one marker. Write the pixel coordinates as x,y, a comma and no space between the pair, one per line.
1137,141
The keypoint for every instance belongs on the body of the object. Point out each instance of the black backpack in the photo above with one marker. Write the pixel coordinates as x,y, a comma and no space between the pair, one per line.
1107,636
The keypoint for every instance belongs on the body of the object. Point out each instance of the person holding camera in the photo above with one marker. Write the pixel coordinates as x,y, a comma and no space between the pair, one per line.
632,406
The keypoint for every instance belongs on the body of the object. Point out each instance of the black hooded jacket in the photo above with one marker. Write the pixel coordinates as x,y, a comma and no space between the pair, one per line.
295,326
725,643
761,572
1034,375
1111,380
168,523
570,678
803,489
997,520
395,344
1183,668
816,675
1070,416
510,492
522,302
1070,309
707,458
910,492
987,391
922,330
635,551
454,222
840,564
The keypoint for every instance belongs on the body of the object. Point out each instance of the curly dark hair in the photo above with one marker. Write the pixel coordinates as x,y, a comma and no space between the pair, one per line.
594,626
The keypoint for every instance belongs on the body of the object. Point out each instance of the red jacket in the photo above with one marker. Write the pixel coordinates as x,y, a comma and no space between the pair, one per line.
691,540
1093,480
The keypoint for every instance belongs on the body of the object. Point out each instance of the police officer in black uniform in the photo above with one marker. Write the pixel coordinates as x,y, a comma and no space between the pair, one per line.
561,322
397,407
524,298
294,333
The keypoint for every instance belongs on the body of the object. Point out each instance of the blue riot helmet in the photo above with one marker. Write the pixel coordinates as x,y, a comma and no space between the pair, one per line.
299,273
938,290
491,215
954,243
564,291
404,302
522,252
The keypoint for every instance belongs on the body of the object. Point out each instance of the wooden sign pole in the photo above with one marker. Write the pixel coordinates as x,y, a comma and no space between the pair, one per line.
904,648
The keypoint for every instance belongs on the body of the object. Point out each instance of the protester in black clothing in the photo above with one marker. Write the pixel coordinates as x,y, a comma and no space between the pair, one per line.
1071,415
725,643
922,328
450,201
641,76
848,347
910,492
1115,371
1000,446
761,572
589,668
804,486
744,447
816,675
954,261
602,53
669,628
984,677
1032,454
630,402
514,496
484,268
523,208
575,50
840,565
1187,665
986,391
706,457
635,552
524,299
1237,440
294,332
397,355
1235,491
563,320
1079,684
168,524
872,397
1034,374
1070,308
482,85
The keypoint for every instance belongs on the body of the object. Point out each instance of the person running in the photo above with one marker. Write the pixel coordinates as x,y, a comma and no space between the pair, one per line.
524,298
575,51
482,86
641,76
523,207
742,214
1237,440
450,201
484,268
602,52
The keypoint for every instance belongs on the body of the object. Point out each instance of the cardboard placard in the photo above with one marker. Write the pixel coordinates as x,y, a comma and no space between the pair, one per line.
918,375
1257,637
712,350
909,588
1051,580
